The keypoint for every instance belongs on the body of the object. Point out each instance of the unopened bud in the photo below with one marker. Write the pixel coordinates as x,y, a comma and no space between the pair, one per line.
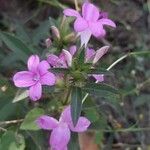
48,42
55,32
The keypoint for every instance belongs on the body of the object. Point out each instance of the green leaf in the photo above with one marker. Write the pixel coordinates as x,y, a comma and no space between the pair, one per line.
12,141
102,90
81,57
76,104
99,136
16,45
22,32
91,114
59,70
42,32
20,95
29,121
100,71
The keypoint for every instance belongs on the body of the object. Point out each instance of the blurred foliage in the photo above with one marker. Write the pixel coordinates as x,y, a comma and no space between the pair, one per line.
24,34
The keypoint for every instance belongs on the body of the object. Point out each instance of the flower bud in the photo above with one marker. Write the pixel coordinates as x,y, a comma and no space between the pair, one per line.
55,32
48,42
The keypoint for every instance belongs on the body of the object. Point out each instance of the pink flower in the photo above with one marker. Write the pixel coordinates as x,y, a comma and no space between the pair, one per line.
60,134
64,60
36,76
93,56
91,22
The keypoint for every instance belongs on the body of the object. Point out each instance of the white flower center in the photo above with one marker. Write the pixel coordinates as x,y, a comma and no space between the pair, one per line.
36,77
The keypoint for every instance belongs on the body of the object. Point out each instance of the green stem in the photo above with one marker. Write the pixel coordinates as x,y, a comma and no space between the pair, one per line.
127,130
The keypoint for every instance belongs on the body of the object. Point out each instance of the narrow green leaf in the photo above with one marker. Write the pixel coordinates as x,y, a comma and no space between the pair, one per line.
41,32
21,95
81,55
76,104
59,70
100,71
16,45
100,89
99,135
29,121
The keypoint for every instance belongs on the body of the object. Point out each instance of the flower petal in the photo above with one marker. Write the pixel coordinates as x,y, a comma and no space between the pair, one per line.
43,67
35,92
48,79
33,62
62,60
99,53
66,115
89,54
72,50
90,12
46,122
82,125
68,57
71,12
60,137
97,29
85,37
23,79
99,77
108,22
80,24
52,60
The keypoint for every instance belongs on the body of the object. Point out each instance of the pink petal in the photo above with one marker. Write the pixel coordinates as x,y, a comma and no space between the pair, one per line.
89,54
23,79
46,122
68,57
85,37
97,29
90,12
73,50
62,61
66,115
33,62
35,92
99,53
107,22
60,137
71,12
103,14
99,78
48,79
81,126
80,24
52,59
43,67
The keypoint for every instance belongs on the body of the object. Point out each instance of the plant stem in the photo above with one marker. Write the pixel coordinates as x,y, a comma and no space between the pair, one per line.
126,130
11,122
76,5
3,129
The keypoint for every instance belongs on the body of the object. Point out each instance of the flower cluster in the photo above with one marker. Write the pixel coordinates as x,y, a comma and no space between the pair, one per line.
39,73
91,22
